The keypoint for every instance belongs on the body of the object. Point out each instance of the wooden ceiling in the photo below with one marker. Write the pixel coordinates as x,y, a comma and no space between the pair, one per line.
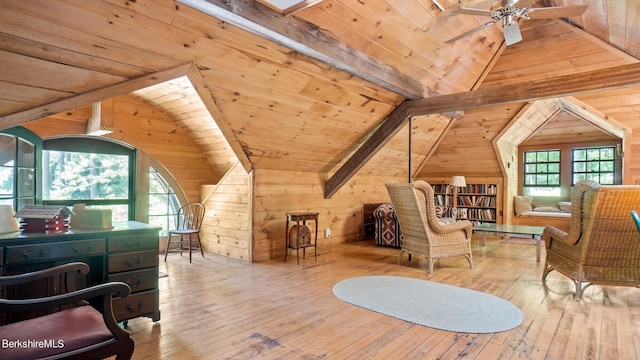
304,92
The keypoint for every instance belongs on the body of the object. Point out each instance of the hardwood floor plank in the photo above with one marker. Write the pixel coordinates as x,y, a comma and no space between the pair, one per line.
221,308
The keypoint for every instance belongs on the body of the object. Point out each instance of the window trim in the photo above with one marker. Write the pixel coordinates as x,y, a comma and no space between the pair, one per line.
89,144
548,162
616,164
26,135
566,171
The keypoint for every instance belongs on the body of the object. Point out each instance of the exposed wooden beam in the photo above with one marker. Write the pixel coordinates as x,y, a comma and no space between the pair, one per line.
367,150
210,102
91,97
568,85
302,37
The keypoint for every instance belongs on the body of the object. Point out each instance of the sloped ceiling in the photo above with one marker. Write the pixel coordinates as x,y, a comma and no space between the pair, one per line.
307,109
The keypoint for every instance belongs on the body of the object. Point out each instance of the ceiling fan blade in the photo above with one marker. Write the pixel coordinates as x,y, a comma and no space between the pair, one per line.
470,11
483,26
512,33
557,12
524,3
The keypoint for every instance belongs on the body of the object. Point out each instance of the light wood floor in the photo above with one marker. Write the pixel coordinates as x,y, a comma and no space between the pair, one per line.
219,308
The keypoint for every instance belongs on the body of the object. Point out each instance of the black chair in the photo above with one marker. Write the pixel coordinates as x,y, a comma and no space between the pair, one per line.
187,230
65,324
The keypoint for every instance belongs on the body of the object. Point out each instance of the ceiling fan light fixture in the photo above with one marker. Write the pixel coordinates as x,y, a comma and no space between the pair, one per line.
509,14
511,32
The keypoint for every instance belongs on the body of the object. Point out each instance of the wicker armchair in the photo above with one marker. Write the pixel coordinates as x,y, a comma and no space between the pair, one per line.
602,246
424,233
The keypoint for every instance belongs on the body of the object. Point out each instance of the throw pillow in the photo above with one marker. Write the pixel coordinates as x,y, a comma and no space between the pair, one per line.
439,211
565,206
522,204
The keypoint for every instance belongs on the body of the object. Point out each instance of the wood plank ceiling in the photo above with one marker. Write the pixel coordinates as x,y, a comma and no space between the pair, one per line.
307,97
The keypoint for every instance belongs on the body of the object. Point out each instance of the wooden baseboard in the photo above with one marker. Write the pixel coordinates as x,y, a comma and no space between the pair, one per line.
560,223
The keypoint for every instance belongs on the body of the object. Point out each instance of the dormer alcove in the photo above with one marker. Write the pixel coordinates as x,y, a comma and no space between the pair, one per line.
551,122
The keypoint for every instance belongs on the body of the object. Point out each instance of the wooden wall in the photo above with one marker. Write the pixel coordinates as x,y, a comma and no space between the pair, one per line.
141,125
227,226
279,192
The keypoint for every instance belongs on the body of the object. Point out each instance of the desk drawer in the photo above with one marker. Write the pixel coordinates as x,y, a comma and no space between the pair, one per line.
138,280
133,243
50,251
136,305
133,260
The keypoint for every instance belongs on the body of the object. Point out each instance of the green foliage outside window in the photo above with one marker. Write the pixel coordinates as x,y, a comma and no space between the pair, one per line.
542,172
78,176
596,164
163,202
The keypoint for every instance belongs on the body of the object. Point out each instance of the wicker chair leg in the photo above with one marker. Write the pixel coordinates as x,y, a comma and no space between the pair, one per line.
579,290
401,254
470,260
580,286
547,270
431,262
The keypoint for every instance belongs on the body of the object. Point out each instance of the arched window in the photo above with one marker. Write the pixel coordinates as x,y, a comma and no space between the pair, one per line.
98,172
19,161
163,202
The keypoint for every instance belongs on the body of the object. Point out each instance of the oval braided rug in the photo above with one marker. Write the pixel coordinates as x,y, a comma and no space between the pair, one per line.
430,304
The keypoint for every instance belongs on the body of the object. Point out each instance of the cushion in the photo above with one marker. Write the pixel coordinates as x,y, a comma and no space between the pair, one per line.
522,204
565,206
447,220
62,331
547,208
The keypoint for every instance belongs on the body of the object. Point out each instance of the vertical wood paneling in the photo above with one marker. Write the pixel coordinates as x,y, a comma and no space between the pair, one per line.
279,192
227,227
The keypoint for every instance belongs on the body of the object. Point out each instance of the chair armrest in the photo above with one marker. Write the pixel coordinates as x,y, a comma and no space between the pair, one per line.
441,227
115,287
552,233
80,267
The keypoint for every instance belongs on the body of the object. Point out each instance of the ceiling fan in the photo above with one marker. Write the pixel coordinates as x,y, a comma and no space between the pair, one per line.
509,14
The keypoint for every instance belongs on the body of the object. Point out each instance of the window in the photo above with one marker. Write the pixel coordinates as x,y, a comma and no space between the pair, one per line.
551,171
542,173
18,161
595,163
95,172
98,172
163,202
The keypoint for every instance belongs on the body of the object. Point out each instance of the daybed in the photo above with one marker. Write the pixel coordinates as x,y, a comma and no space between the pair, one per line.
541,211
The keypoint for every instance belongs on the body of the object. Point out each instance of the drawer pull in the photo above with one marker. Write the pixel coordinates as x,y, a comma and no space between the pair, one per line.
25,254
44,252
133,245
137,263
76,250
131,309
133,284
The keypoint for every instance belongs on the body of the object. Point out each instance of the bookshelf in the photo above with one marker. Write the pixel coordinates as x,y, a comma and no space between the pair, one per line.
479,202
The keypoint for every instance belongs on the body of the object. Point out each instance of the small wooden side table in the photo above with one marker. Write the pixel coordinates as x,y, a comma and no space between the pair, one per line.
298,217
